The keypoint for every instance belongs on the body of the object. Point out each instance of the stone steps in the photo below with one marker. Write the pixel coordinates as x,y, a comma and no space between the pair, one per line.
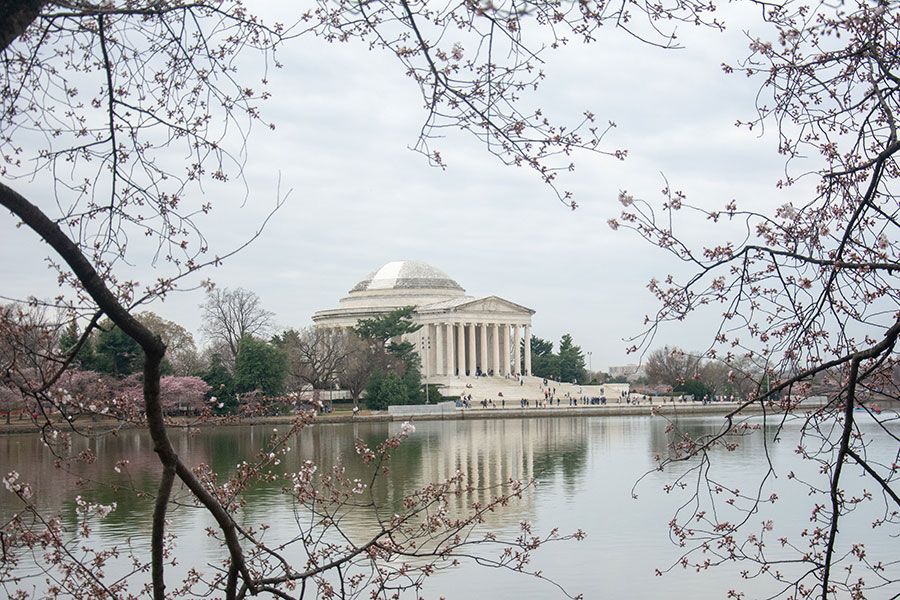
531,388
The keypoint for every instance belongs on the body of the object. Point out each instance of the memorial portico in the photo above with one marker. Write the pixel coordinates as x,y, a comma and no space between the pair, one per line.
461,335
458,344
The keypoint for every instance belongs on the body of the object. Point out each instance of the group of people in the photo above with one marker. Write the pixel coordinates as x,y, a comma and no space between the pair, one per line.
480,373
550,399
465,401
574,398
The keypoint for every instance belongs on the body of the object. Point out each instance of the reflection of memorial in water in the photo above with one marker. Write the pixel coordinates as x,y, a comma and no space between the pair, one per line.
493,452
489,452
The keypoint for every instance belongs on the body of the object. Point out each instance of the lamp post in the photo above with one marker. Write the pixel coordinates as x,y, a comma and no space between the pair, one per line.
425,346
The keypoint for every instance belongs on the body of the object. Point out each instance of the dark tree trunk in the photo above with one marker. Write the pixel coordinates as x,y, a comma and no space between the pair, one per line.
17,15
154,350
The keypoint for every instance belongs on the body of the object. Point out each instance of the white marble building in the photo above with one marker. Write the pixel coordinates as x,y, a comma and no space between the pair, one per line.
460,336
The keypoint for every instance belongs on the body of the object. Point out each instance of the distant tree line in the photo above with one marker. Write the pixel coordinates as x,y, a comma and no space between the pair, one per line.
244,364
247,365
690,374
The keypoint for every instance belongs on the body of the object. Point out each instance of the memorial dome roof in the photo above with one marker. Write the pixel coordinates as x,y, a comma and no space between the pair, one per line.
408,275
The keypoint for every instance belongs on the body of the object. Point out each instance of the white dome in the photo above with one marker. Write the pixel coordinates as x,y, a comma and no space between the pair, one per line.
406,275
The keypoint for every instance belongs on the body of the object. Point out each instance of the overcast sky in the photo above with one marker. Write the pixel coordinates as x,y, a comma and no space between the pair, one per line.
359,198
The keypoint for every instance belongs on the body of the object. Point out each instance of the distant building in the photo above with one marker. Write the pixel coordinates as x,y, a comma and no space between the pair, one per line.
629,372
460,336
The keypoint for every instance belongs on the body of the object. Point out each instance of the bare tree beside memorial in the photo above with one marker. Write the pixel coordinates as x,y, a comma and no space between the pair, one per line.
314,354
230,315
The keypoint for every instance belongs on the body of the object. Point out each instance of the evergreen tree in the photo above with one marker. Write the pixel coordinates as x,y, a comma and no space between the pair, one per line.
389,326
412,380
401,382
221,385
540,346
259,366
386,389
115,353
85,359
69,337
543,362
694,387
571,361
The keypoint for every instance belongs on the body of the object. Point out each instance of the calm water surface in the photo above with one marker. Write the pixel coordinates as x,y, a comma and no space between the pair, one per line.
585,467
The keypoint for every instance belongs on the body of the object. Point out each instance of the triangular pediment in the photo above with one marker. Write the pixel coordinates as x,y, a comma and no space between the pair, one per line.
492,304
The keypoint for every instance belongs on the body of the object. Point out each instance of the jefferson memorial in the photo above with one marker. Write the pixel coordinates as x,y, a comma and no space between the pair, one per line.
460,335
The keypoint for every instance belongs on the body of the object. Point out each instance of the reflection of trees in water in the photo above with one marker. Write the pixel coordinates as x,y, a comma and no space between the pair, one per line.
132,488
561,449
489,452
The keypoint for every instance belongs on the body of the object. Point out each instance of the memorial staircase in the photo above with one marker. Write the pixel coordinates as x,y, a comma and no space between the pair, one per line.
490,388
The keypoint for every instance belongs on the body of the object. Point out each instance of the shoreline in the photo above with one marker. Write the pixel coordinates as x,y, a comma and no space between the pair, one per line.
459,414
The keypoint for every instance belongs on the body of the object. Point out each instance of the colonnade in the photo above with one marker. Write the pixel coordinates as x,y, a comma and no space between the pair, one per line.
470,348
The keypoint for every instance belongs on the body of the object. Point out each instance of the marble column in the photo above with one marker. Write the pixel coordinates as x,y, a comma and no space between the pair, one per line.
433,328
429,349
451,356
528,349
504,353
496,344
461,348
484,354
421,345
439,368
471,328
517,352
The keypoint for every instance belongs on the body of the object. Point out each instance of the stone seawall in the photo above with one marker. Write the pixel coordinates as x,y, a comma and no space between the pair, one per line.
442,413
415,411
719,408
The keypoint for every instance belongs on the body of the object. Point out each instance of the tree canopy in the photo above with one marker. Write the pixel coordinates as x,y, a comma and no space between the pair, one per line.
571,360
314,355
398,381
232,315
567,365
221,385
386,329
259,366
544,363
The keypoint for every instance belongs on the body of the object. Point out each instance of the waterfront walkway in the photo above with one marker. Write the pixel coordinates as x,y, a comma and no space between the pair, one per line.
669,409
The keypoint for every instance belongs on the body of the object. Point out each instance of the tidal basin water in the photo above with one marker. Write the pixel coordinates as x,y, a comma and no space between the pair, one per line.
585,469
